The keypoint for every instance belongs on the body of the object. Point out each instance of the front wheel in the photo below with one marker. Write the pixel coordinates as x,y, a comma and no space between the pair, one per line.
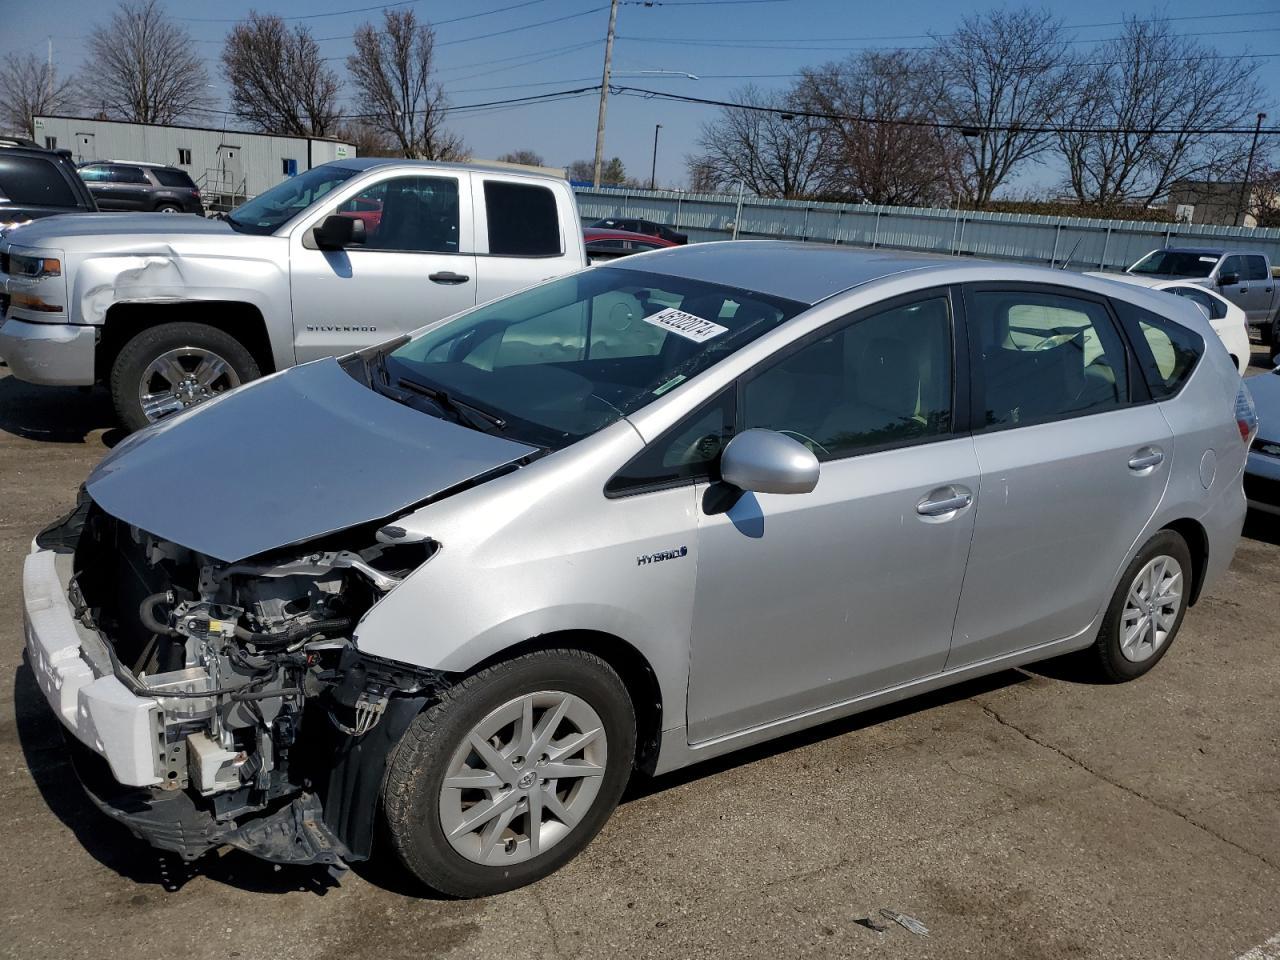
168,368
1146,610
511,774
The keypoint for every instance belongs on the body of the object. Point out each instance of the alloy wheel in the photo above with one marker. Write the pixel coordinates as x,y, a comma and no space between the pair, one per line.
182,378
523,778
1151,608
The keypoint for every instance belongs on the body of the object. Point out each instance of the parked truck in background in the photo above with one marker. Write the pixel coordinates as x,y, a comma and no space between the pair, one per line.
1245,277
170,311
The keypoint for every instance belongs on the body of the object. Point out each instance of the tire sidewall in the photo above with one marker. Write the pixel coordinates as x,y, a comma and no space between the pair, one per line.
1114,662
138,353
429,745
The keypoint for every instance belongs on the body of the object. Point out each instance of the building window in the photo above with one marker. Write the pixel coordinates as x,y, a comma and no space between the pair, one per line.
184,156
289,167
51,143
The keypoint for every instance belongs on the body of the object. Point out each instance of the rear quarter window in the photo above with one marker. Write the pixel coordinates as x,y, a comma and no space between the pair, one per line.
34,181
522,220
1167,351
173,178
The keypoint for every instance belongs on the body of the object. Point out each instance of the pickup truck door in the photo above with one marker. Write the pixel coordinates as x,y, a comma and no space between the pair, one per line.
522,233
1256,286
1238,290
416,264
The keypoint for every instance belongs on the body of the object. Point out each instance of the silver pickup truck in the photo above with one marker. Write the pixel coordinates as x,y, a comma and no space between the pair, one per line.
1244,277
171,310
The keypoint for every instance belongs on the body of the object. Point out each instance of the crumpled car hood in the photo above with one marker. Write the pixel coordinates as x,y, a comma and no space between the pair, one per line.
295,456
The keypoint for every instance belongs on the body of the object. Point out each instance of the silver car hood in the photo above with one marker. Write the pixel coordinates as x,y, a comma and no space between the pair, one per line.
298,455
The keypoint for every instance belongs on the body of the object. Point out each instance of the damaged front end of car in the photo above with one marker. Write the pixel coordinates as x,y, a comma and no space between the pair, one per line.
270,729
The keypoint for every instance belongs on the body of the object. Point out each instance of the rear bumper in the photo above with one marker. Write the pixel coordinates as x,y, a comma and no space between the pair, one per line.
73,672
57,354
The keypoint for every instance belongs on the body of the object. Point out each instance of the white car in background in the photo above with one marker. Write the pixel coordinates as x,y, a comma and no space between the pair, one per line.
1227,320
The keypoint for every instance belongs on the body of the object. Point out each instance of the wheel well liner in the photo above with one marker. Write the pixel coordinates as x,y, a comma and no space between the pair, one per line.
636,673
1198,544
236,318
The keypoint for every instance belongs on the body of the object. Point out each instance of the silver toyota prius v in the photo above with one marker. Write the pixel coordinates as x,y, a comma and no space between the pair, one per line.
465,583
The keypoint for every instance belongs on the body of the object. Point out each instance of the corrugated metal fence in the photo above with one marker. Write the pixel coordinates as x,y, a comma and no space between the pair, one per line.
1087,244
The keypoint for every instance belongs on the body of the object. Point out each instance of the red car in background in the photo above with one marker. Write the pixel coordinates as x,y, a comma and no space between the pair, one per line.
610,244
365,209
649,228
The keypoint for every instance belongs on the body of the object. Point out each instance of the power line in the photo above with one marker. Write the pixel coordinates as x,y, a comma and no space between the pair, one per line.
933,124
380,6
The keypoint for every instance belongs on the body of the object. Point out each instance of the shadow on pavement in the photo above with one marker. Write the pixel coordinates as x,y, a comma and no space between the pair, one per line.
642,786
55,414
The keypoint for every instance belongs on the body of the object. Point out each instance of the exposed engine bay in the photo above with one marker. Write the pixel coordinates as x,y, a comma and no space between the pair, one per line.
269,719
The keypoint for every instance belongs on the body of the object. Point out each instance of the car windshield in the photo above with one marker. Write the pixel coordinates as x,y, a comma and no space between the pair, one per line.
268,211
559,361
1174,263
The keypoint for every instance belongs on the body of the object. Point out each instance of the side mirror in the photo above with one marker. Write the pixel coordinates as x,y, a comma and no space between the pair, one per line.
336,232
1228,279
764,461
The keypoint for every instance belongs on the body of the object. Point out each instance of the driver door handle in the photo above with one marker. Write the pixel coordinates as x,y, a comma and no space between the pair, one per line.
945,505
448,277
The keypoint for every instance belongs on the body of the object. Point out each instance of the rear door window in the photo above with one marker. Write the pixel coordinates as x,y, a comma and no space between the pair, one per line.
120,174
93,174
34,181
522,220
1044,356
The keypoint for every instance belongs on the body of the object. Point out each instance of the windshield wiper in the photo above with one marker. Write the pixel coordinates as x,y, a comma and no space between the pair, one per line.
473,416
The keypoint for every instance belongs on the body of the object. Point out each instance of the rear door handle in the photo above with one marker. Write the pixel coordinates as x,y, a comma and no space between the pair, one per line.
958,500
447,276
1145,460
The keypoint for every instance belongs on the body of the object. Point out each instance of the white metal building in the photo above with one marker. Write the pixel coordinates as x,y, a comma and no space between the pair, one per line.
221,162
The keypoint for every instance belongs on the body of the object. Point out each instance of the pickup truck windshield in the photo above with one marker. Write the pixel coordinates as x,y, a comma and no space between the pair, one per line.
562,360
269,211
1174,263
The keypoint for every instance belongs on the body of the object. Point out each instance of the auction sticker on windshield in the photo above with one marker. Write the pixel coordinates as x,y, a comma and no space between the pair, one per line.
686,325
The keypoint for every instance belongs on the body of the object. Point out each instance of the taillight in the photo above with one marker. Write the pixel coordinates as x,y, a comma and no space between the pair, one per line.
1246,415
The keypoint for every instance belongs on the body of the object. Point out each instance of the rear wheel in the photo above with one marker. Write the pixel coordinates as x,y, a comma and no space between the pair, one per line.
166,369
168,208
1146,610
511,774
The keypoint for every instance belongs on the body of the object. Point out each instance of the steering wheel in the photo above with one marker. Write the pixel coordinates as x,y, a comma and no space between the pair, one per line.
807,441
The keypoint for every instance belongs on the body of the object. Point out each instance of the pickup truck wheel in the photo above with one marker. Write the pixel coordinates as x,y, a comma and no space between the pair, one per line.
166,369
511,773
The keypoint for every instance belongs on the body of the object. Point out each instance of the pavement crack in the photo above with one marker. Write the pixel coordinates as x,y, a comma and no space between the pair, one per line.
551,925
1132,791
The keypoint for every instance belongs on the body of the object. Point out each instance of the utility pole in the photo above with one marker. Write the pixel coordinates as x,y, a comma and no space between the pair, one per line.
1248,172
604,90
653,170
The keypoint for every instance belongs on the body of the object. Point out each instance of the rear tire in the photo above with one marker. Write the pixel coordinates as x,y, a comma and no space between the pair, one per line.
168,208
439,785
165,369
1146,611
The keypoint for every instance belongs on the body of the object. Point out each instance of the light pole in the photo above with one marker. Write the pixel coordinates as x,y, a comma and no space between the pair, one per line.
604,91
1248,171
653,170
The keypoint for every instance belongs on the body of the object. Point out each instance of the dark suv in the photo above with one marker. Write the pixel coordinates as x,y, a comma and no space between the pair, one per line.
134,185
35,182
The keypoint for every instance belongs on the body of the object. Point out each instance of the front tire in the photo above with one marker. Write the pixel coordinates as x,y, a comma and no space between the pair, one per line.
511,773
1146,611
168,368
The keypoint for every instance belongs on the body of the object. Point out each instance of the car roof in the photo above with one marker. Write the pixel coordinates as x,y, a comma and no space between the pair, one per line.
802,272
1213,251
370,163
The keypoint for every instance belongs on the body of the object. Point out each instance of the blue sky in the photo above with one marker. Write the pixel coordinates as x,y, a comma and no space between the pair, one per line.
530,56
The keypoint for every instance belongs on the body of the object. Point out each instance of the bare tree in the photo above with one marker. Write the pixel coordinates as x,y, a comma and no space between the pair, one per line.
529,158
1145,113
279,82
368,140
1001,77
30,87
391,70
142,66
761,143
900,157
